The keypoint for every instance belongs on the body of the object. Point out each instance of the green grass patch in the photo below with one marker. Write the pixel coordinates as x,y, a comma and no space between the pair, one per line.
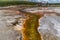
8,3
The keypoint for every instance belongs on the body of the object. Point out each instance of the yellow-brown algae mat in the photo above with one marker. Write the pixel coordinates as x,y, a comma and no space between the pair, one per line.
30,26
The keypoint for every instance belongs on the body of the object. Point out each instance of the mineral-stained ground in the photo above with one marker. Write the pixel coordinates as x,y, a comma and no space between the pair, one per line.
11,25
8,19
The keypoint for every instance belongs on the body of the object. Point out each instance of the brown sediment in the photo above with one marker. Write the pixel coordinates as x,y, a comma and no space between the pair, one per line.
30,26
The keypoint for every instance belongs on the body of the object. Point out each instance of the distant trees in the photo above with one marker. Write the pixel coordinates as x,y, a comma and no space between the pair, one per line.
8,3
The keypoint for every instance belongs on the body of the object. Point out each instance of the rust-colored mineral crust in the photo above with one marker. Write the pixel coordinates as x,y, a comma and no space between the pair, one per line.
30,26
